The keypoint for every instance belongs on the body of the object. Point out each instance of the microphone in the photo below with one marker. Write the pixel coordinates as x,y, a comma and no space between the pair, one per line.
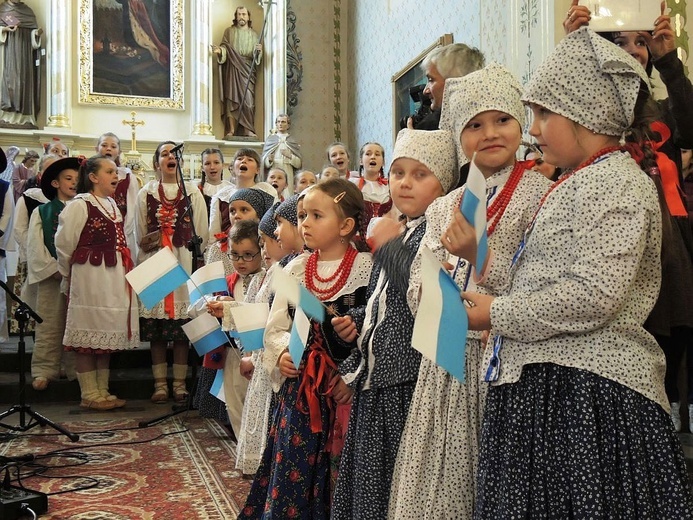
178,148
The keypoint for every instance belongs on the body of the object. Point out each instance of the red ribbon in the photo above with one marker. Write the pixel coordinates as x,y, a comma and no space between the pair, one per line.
362,182
128,264
667,169
166,234
223,240
317,373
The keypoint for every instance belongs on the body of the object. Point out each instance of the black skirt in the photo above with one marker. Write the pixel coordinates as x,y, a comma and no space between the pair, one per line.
567,443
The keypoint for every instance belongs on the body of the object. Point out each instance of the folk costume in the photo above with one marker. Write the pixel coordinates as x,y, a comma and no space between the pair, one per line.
42,271
384,368
436,466
576,420
306,436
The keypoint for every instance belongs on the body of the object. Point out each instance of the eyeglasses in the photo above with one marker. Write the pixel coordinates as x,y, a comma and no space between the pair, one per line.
246,257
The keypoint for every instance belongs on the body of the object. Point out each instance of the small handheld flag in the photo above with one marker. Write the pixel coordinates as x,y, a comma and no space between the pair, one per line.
250,320
299,336
157,277
207,280
473,207
217,389
296,294
440,326
204,333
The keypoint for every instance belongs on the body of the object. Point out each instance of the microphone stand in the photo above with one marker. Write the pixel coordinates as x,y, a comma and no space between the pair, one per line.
253,64
23,314
194,247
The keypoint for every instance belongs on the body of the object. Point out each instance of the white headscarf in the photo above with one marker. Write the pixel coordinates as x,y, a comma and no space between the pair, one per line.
492,88
590,81
435,149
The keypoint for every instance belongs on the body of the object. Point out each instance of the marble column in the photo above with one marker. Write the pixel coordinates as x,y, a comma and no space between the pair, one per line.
202,59
59,64
275,61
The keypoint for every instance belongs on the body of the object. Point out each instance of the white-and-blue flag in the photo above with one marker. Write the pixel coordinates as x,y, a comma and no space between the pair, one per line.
217,389
250,320
156,277
207,280
288,286
473,207
205,333
440,326
299,336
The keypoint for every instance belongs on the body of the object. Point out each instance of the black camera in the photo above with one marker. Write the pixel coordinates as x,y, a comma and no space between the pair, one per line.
417,95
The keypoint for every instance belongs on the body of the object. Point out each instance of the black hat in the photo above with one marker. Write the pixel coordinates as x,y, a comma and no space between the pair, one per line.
3,160
51,173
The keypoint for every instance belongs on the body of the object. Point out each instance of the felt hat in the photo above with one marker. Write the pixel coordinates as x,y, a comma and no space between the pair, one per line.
51,173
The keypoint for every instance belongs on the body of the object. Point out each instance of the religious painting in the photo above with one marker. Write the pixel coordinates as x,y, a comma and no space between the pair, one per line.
408,85
131,53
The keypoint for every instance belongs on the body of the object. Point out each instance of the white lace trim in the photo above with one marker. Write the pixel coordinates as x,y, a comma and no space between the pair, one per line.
101,340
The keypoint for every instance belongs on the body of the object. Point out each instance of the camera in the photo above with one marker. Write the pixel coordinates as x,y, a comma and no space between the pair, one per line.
417,95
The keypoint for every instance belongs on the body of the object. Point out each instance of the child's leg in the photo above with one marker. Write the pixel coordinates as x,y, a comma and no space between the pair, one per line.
103,374
48,342
180,370
86,375
235,388
159,370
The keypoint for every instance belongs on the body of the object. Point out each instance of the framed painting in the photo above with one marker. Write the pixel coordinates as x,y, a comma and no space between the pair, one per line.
408,83
131,53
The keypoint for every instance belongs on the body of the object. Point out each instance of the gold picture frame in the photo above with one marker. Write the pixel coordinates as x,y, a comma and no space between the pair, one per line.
126,58
408,77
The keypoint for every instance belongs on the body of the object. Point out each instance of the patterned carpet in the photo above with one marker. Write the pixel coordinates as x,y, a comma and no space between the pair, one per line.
151,473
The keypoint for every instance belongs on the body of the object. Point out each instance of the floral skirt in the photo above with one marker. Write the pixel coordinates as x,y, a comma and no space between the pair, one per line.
567,443
152,329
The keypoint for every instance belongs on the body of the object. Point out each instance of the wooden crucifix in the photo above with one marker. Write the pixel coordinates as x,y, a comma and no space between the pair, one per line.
133,124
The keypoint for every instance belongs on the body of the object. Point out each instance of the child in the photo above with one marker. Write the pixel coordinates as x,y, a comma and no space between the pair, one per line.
294,475
577,414
246,168
59,185
243,204
92,252
287,231
125,194
329,172
56,147
423,168
373,184
338,156
304,179
27,203
277,179
212,180
162,221
484,112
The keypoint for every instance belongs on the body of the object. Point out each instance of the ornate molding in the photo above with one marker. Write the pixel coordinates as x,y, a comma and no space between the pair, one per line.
294,61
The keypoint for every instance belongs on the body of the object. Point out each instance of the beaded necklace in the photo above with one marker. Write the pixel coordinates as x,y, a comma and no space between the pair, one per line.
595,158
169,203
115,214
340,275
495,210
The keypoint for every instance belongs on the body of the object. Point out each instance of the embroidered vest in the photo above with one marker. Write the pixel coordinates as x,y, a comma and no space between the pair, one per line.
225,218
101,239
182,230
121,195
49,221
31,204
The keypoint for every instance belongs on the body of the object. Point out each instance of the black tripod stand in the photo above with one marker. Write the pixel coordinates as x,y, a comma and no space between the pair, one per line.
194,247
22,315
